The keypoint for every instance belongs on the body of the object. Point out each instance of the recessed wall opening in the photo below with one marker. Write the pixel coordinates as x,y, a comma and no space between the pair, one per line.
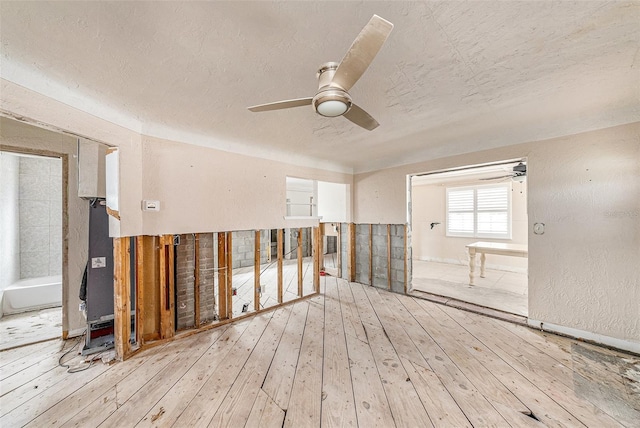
469,234
31,213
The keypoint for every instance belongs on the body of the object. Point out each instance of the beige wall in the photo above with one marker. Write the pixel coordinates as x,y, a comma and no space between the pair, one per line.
428,204
583,272
15,134
586,188
206,190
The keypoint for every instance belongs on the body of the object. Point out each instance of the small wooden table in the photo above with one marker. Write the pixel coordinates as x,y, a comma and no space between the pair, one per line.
516,250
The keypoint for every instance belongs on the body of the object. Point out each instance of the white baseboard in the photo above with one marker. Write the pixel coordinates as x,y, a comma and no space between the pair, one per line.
466,263
613,342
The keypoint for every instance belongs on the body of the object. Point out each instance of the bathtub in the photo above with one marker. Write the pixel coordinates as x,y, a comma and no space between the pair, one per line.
32,294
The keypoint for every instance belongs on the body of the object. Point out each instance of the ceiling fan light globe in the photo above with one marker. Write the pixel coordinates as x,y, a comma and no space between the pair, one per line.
331,102
332,108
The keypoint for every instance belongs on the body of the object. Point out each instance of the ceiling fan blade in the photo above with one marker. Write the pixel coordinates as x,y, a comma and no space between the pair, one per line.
362,52
279,105
361,118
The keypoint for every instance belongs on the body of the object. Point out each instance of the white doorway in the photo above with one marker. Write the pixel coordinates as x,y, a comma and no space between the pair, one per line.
455,208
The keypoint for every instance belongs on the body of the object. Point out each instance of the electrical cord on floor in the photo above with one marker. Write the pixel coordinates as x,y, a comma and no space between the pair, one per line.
73,348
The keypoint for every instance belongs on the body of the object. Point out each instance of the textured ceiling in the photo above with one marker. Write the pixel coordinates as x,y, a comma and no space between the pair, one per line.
454,77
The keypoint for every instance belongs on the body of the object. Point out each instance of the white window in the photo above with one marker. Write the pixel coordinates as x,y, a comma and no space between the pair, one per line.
479,211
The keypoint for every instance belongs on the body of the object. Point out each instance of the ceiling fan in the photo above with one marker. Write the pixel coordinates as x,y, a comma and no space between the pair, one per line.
335,79
519,173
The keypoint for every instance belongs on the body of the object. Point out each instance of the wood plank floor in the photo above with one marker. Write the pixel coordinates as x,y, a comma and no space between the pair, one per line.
351,356
30,327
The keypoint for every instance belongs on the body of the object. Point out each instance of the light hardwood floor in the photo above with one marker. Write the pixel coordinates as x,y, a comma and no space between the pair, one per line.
500,290
30,327
351,356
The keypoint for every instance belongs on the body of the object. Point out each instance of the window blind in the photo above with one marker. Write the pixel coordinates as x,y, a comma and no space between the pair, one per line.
480,211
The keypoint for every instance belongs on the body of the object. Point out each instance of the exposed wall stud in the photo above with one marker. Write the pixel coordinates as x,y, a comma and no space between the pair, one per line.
299,262
317,257
167,304
339,250
222,276
122,297
196,280
351,256
279,249
406,261
229,251
389,255
256,273
371,254
141,304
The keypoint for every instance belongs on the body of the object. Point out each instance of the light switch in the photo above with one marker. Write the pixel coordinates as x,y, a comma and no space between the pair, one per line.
538,228
148,205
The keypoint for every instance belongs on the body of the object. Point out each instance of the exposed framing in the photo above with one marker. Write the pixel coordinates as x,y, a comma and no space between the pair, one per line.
167,304
223,312
280,257
389,275
122,296
299,254
196,280
256,272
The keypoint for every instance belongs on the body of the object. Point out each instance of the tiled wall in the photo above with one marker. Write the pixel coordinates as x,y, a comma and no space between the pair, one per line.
9,219
40,205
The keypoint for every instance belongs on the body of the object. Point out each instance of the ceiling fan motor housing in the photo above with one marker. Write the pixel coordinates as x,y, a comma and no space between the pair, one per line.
330,100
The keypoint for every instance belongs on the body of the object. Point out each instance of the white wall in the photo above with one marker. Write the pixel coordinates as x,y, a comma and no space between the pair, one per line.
14,135
9,220
333,202
583,272
207,190
429,205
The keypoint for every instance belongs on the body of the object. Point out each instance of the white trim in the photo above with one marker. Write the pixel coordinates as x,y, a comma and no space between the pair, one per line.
302,217
613,342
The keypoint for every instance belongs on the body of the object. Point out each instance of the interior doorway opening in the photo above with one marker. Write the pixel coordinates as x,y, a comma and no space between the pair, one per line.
31,226
469,234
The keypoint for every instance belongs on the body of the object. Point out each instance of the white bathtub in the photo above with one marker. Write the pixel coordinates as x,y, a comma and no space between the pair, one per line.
32,294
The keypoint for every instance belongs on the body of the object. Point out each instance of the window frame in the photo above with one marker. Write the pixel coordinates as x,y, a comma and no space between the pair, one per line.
475,233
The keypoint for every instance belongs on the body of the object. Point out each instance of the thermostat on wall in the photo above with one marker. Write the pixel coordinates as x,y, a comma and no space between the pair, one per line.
150,205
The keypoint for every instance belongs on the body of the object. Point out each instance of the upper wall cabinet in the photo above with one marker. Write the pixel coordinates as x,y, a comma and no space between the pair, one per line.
91,169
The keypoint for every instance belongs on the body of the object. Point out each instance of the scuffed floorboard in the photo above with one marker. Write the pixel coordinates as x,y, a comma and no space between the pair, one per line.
353,355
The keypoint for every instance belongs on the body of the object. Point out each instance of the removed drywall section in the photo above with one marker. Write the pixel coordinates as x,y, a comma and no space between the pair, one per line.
344,250
244,248
190,269
379,259
363,254
207,268
399,258
185,280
